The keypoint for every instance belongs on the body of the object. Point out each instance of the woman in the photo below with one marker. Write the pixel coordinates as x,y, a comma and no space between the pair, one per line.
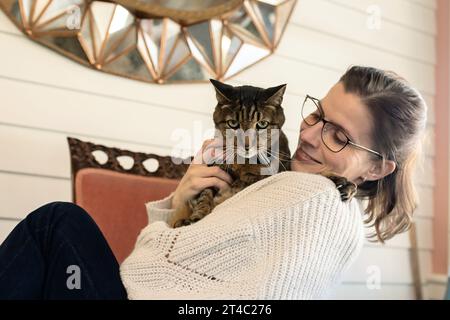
288,236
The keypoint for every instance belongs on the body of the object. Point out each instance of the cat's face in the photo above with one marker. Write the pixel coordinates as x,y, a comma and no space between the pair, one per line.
251,114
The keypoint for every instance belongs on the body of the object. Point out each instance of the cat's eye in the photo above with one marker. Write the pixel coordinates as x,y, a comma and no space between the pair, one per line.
263,124
233,124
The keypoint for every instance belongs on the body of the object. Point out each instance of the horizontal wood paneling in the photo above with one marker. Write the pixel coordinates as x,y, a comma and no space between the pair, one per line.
404,13
21,194
350,24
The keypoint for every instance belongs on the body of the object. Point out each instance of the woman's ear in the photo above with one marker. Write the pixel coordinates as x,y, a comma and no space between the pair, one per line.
379,171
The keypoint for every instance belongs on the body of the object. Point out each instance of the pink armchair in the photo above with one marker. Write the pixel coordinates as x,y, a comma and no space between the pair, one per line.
115,197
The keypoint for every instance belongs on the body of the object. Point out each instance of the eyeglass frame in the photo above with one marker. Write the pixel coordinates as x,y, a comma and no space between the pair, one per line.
324,121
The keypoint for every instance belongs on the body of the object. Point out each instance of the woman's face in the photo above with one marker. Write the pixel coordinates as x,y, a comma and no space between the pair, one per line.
346,110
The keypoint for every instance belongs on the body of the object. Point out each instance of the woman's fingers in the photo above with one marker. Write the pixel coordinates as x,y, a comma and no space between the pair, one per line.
198,158
203,171
207,153
204,183
200,176
219,173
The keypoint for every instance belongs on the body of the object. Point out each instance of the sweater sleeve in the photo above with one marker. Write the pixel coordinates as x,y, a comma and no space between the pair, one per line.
160,210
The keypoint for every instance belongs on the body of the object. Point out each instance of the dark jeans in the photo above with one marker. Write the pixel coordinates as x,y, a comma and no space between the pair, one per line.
58,252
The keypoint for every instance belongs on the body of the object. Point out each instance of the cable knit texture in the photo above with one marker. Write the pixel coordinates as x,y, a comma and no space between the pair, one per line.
288,236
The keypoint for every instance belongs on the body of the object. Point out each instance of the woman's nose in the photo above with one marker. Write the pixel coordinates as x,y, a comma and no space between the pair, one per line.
311,134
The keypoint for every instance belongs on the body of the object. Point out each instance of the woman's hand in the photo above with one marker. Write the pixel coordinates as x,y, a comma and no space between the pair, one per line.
199,176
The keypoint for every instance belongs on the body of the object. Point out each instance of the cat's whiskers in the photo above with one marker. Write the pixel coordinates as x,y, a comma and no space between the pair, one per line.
223,156
262,155
282,153
276,157
228,152
288,157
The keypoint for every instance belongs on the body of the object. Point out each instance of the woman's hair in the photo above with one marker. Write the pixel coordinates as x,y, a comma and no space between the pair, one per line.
399,116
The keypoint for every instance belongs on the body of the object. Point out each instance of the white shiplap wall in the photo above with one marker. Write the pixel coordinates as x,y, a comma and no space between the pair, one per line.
45,97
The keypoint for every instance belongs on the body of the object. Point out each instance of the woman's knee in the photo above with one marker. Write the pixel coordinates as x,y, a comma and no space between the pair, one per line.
57,212
61,206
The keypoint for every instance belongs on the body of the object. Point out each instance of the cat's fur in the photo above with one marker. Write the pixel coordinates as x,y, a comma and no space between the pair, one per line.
250,107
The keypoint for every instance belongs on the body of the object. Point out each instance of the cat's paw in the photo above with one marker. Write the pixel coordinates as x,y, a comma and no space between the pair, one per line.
347,189
181,223
184,222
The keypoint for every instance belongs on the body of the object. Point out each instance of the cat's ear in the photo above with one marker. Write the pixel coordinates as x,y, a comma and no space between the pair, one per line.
224,92
274,95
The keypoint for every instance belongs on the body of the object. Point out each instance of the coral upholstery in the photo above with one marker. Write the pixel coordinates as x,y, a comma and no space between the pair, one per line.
116,201
115,196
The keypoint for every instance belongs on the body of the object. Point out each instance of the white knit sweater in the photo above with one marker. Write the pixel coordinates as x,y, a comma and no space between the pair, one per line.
288,236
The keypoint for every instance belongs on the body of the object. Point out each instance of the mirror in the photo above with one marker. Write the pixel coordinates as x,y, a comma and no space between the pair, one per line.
182,11
170,41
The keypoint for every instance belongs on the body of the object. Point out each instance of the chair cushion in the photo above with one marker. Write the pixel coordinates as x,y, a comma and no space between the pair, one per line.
116,202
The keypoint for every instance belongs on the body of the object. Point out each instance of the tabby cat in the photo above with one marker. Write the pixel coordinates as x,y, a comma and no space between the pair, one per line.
241,114
255,156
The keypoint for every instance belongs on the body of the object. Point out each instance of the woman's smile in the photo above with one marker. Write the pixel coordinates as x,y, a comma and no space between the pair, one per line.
302,156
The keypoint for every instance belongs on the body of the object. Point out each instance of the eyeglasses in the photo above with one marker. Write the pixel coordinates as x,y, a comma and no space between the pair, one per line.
333,136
